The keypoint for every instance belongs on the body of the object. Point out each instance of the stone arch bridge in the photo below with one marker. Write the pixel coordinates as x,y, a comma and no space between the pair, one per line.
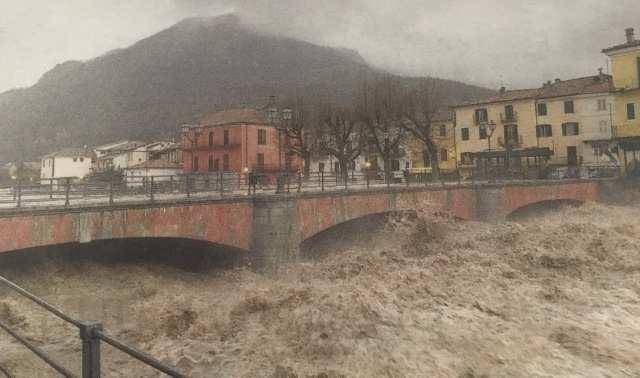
272,227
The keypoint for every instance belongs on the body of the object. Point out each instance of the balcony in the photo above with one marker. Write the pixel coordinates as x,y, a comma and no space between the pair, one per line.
514,142
507,119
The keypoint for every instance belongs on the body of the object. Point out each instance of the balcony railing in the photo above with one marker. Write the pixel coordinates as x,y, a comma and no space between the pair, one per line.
206,147
509,118
514,142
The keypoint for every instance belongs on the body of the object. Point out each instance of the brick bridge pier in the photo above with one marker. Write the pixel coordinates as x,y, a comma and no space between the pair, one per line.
273,227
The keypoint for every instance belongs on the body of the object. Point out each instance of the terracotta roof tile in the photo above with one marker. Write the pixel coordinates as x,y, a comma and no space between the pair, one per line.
226,117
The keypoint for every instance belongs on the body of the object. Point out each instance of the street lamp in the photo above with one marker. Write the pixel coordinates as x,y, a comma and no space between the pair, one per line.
492,127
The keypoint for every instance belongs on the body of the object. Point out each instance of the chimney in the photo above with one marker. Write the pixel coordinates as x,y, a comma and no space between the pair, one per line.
503,90
600,71
558,80
630,35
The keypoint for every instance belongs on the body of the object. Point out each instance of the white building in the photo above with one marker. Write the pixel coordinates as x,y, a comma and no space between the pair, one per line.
119,155
163,172
73,163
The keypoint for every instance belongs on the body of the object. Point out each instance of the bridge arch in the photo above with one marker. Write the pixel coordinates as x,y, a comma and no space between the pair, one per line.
355,231
185,253
532,208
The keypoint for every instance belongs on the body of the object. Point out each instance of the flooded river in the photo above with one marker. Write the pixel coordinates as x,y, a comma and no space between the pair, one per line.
547,295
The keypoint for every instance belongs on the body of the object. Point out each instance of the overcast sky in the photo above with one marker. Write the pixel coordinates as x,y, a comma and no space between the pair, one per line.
487,42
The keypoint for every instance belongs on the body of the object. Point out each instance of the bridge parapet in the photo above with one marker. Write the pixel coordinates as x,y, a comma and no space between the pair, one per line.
274,226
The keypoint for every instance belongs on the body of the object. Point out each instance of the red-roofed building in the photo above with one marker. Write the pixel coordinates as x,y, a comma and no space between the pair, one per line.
237,141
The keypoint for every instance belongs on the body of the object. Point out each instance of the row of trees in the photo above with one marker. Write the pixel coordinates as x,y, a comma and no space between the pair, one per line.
384,114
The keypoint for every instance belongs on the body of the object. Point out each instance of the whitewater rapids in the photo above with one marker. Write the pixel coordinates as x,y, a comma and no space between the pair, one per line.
552,295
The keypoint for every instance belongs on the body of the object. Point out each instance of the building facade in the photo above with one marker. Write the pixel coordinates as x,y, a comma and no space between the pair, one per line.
443,134
563,123
75,163
625,64
237,141
119,155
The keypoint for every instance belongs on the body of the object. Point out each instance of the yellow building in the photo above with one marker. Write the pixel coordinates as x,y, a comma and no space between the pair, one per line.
443,133
563,123
625,64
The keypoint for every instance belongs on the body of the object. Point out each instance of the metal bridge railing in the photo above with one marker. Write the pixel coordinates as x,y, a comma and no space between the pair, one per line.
137,189
91,334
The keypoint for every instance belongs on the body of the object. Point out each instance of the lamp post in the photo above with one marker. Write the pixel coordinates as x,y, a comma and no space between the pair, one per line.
492,127
287,117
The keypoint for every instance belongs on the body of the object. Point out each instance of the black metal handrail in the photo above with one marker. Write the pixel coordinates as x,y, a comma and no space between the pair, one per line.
91,334
5,372
141,189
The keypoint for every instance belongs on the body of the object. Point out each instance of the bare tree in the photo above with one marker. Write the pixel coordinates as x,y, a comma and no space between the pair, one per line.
342,137
379,108
302,137
421,107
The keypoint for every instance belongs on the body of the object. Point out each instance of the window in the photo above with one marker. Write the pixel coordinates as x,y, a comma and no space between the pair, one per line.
210,138
321,167
570,128
466,158
568,107
602,105
482,131
260,159
82,160
262,136
443,130
599,149
226,138
225,163
216,165
508,112
544,131
542,109
395,165
195,163
210,160
511,134
631,111
465,133
75,160
444,154
481,116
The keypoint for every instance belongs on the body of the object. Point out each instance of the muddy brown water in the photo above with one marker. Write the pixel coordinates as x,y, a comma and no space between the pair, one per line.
556,294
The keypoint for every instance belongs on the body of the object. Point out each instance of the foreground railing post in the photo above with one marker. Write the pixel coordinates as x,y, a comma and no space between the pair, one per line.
111,193
322,180
90,349
67,189
50,188
18,194
367,179
187,185
299,182
221,184
151,193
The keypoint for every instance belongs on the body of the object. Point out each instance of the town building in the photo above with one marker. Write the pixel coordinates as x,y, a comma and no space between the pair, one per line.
163,172
562,123
75,163
165,150
119,155
443,134
625,64
238,141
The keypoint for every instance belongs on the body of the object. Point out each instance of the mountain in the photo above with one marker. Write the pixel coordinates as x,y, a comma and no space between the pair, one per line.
147,90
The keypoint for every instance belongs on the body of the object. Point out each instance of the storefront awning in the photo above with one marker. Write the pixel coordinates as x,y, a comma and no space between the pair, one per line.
515,153
629,143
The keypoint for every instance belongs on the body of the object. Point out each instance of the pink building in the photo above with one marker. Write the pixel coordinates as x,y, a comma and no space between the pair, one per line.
239,141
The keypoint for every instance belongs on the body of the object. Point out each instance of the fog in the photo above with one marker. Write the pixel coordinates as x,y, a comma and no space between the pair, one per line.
485,42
